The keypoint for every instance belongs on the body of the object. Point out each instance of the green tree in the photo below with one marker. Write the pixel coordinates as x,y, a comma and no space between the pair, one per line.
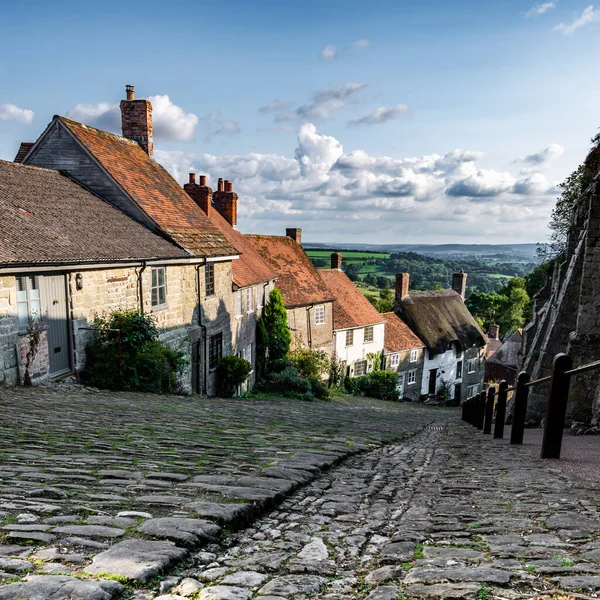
274,334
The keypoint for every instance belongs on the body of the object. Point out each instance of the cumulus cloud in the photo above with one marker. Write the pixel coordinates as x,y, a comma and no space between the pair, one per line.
328,53
170,121
11,112
382,115
539,9
589,15
333,193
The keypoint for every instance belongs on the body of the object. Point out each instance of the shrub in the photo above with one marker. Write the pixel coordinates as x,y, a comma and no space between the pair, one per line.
310,363
274,334
231,372
319,389
379,384
288,380
142,363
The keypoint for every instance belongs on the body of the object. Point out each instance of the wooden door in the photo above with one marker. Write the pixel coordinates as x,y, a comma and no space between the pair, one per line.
432,380
56,319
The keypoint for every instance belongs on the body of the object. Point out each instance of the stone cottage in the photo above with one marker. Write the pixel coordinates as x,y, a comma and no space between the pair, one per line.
404,355
308,301
455,344
194,304
252,278
358,329
65,256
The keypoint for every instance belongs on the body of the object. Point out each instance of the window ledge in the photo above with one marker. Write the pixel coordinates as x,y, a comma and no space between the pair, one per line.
159,307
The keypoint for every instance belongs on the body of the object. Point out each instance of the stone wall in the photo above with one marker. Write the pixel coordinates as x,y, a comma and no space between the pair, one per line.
410,392
567,316
317,336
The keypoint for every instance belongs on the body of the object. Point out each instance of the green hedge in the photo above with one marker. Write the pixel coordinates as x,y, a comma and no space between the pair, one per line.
380,384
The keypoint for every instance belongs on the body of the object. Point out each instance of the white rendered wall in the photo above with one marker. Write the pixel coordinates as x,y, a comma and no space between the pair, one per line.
358,350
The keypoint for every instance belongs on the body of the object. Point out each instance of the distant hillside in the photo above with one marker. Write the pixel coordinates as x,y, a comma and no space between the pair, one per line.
526,252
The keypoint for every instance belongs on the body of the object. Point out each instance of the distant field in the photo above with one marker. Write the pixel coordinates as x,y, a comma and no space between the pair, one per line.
348,256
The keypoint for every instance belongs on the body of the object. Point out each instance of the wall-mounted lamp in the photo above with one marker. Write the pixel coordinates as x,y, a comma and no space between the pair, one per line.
79,281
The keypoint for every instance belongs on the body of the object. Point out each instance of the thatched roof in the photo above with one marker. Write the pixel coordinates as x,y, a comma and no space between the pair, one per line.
440,318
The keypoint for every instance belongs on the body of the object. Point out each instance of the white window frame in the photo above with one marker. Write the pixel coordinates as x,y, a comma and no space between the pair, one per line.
156,285
411,377
249,307
259,289
369,335
471,365
414,355
238,303
363,368
209,277
459,369
349,338
472,390
28,298
320,314
248,356
394,359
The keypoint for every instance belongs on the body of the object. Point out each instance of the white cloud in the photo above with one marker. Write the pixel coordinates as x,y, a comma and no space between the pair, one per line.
382,115
275,106
360,44
354,195
541,157
539,9
11,112
328,53
589,15
170,121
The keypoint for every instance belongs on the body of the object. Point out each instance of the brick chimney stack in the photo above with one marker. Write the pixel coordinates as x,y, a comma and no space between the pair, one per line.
136,120
225,202
200,194
336,261
402,284
459,283
295,233
494,332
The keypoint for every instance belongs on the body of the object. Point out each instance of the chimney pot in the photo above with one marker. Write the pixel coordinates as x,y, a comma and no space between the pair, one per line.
192,178
228,186
130,92
494,332
459,283
295,233
220,185
203,180
336,261
402,285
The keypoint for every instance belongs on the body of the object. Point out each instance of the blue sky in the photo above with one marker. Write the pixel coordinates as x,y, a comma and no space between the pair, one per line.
442,121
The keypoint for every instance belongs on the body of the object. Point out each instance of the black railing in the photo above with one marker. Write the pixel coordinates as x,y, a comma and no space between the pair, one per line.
479,410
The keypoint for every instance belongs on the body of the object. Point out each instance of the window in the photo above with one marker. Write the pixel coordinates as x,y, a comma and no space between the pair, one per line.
414,355
394,360
458,351
249,354
368,335
209,279
319,315
349,337
248,300
472,390
360,368
412,377
159,287
215,350
471,365
459,369
238,303
259,297
28,300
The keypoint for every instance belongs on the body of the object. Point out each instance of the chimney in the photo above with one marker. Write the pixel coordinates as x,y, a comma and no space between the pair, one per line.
225,202
136,120
402,283
336,261
494,332
459,283
294,233
200,194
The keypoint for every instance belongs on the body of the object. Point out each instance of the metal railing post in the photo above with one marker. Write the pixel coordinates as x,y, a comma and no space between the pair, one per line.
557,406
521,394
481,410
501,410
489,409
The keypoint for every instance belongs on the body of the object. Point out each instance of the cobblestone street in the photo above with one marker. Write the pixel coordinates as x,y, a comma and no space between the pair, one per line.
127,496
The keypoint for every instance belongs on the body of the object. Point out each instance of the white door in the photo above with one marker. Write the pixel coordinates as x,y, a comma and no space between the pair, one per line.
400,384
56,319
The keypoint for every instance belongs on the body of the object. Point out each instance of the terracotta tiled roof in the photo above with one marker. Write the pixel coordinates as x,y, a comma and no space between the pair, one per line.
493,345
439,318
47,217
23,151
351,308
297,278
250,269
153,189
398,335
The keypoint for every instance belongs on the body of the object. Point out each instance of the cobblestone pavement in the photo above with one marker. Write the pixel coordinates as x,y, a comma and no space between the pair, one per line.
100,489
445,513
